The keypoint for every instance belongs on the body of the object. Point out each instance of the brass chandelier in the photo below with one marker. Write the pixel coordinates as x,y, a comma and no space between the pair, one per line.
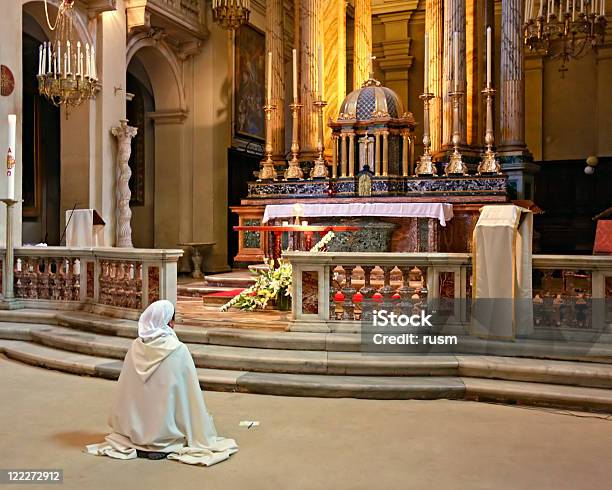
564,29
231,14
67,73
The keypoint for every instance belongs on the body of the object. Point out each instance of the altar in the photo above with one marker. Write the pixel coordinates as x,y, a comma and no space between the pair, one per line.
371,181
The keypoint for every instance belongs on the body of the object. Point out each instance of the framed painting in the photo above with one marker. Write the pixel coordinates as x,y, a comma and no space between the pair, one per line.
249,82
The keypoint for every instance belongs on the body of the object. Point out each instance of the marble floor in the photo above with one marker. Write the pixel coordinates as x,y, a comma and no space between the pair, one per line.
310,443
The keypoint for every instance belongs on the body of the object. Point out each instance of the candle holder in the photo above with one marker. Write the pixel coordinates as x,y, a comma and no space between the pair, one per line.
293,170
455,165
426,166
268,172
319,171
489,164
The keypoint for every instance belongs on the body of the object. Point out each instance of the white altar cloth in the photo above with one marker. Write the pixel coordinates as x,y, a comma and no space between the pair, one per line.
443,212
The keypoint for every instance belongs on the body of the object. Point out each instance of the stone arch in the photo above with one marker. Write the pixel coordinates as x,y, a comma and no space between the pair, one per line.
157,58
36,9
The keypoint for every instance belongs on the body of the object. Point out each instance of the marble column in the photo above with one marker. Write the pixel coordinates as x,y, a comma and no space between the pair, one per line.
454,21
362,46
512,81
434,14
310,39
274,44
124,135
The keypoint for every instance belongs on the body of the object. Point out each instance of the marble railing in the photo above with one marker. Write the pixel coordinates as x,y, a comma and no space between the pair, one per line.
115,281
572,291
335,291
331,290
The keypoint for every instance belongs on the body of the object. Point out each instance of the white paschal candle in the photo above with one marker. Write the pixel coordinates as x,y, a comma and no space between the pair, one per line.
426,66
320,71
489,56
295,77
269,81
456,60
11,156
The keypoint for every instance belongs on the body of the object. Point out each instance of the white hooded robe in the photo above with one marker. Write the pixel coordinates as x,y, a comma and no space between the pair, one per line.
159,405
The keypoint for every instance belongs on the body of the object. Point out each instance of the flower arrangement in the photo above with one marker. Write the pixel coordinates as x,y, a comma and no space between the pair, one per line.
273,283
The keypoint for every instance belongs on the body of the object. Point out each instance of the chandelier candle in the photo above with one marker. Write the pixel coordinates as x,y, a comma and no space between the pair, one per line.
10,157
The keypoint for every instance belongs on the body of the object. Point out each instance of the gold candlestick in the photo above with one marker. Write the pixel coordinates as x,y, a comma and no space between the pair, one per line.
268,171
455,165
426,166
319,171
489,164
293,170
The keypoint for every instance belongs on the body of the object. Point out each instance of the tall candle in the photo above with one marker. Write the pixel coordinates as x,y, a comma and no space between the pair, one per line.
269,82
68,70
44,60
456,60
526,10
78,59
49,56
426,66
320,71
40,59
603,8
295,77
541,10
581,6
87,61
94,73
489,56
58,59
573,10
11,156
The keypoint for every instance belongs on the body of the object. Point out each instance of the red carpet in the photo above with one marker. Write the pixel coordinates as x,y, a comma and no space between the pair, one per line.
225,294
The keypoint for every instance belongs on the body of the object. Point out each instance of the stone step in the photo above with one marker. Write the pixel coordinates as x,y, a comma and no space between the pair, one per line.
593,399
234,279
600,352
330,362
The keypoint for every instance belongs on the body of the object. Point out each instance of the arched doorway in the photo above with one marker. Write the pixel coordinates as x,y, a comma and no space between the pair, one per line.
41,148
140,103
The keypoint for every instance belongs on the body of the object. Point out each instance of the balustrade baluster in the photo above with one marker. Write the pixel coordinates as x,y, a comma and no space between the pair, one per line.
348,291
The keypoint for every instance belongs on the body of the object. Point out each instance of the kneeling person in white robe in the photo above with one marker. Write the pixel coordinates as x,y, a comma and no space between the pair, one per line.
159,410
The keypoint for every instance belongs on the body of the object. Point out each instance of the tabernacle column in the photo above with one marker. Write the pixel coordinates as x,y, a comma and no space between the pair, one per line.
274,44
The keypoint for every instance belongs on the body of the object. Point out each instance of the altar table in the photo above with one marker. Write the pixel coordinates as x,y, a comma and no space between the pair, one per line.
443,212
307,230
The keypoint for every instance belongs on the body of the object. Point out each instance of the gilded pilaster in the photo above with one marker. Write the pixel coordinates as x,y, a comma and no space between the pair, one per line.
362,46
334,49
274,44
310,39
454,21
434,14
512,82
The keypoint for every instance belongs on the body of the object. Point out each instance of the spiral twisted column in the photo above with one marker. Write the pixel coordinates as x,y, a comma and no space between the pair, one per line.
124,135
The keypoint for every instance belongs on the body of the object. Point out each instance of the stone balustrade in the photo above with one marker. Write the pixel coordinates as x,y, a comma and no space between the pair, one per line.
334,292
188,14
117,282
